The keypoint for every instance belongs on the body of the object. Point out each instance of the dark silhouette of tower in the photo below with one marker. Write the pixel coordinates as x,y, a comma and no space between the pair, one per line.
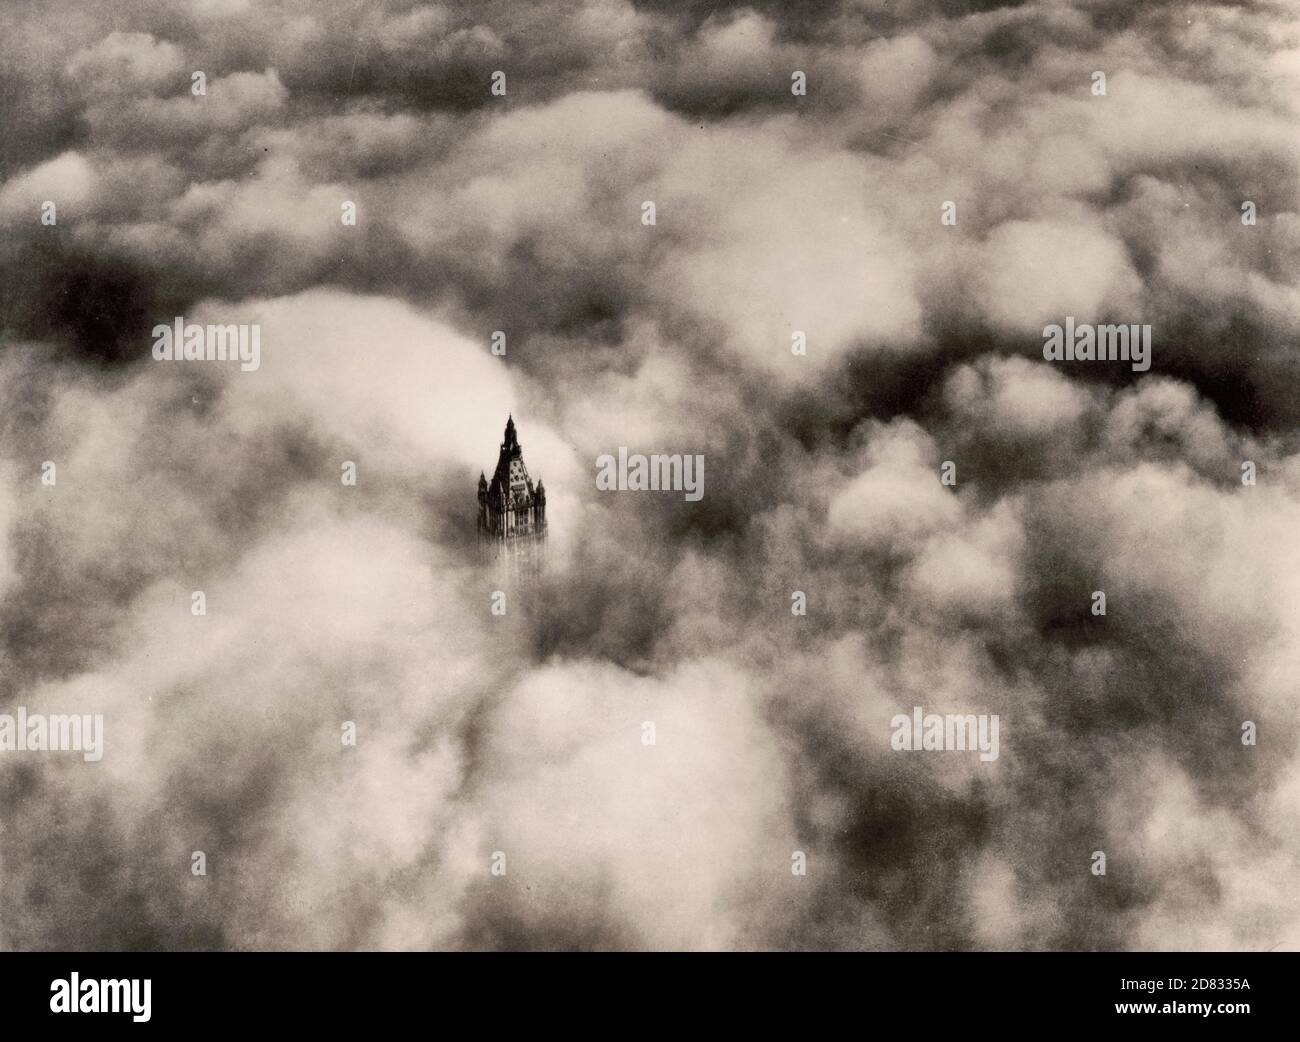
511,513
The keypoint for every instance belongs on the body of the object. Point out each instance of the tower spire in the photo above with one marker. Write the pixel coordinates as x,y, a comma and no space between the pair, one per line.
512,512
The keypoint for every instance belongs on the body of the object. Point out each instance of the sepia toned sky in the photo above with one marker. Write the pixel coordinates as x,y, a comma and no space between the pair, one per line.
775,213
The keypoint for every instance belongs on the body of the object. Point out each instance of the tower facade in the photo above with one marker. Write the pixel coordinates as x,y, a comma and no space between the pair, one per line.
512,513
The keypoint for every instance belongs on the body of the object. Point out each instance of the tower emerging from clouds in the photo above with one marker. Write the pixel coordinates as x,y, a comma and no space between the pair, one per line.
512,513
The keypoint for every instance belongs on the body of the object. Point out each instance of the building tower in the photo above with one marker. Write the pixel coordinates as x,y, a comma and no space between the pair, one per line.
511,513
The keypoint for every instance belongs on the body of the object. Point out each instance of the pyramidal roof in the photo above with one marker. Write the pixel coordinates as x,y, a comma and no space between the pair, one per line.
510,466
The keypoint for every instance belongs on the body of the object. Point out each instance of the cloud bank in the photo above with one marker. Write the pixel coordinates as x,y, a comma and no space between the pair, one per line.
776,214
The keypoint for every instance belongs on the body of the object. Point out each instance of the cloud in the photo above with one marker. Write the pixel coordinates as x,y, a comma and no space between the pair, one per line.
897,498
589,816
1036,271
121,61
776,213
67,180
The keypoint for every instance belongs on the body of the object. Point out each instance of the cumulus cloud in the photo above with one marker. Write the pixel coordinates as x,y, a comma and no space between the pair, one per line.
776,214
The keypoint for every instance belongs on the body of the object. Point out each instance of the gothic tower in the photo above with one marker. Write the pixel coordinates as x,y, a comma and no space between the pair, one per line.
511,513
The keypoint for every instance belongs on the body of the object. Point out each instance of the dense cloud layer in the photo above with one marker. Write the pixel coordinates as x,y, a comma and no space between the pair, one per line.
775,214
